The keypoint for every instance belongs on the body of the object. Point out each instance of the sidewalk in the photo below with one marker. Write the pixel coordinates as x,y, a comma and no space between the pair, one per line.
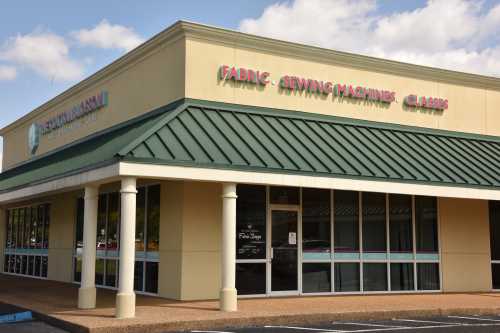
56,302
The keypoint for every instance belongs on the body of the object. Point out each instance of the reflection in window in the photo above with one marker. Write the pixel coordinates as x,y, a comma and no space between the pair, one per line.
113,220
346,228
316,222
402,276
108,231
80,209
99,271
374,276
400,218
374,222
27,240
153,228
77,274
251,222
316,277
139,219
283,195
347,277
101,222
426,224
428,276
251,278
111,269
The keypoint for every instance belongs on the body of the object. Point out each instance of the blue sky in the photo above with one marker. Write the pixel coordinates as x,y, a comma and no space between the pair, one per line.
48,46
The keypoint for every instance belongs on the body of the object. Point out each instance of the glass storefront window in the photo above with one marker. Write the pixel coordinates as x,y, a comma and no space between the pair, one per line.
108,239
111,270
346,217
151,277
374,223
80,208
140,218
428,276
99,271
112,231
347,277
402,276
138,276
153,218
495,229
426,224
316,277
101,222
251,278
494,207
282,195
27,243
316,222
77,269
495,272
374,276
400,223
251,222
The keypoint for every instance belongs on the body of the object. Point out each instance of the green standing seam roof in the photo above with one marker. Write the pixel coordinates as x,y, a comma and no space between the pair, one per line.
226,136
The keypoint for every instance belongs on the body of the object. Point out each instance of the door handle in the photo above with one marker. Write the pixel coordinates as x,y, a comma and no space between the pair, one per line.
272,253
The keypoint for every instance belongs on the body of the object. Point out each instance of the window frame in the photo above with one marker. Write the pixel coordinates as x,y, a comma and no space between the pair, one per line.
99,256
19,249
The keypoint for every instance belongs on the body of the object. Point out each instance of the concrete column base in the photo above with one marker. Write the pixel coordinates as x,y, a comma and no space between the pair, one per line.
86,298
228,300
125,305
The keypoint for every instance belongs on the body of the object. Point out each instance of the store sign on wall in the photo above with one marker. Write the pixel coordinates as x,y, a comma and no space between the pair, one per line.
433,103
321,87
79,112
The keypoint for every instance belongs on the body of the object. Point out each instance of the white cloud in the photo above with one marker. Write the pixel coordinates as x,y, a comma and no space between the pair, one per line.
108,36
7,73
454,34
45,53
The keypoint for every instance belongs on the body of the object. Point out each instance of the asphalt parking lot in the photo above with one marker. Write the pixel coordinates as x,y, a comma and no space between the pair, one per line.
447,324
28,326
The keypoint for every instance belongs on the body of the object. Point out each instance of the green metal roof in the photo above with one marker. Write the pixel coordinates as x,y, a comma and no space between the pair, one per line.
225,136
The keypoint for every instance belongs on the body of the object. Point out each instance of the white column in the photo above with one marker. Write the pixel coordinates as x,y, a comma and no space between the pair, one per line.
228,294
125,299
87,292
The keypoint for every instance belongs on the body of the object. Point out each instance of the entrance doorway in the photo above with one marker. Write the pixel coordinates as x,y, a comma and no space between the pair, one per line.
284,251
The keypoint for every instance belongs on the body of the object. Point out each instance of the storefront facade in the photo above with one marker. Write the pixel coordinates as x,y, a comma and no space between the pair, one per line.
209,164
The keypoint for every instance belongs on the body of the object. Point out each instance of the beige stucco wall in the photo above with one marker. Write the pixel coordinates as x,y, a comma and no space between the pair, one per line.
190,234
201,240
62,236
143,86
171,213
470,109
465,245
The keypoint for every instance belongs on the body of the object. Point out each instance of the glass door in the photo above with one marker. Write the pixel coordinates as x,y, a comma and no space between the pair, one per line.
284,251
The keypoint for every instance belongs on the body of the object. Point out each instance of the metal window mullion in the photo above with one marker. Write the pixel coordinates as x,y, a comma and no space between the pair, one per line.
360,227
414,228
388,242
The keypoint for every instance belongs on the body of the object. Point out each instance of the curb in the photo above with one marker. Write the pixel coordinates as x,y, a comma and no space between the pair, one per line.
291,319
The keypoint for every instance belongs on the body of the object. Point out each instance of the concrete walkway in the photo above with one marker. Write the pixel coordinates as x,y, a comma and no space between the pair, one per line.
56,302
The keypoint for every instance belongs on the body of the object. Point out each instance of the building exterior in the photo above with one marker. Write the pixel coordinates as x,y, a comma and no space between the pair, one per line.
210,164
